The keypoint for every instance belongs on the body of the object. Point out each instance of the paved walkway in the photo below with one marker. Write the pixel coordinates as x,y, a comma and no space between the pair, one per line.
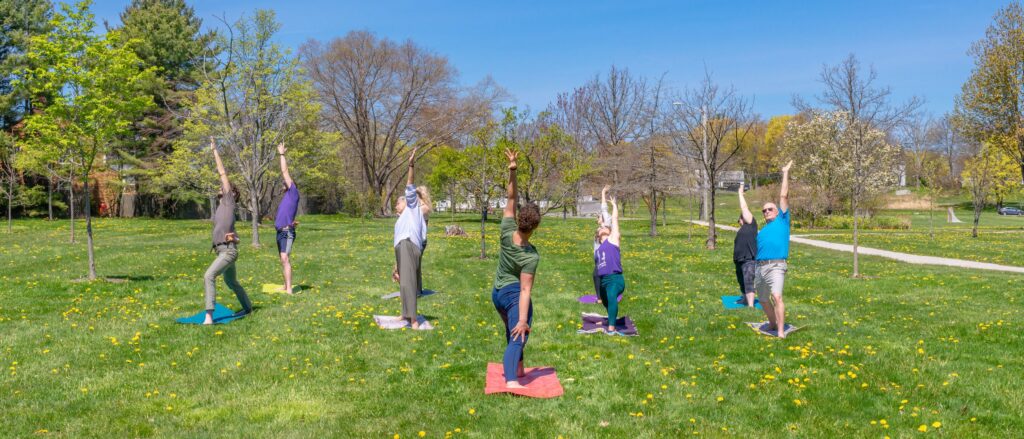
903,257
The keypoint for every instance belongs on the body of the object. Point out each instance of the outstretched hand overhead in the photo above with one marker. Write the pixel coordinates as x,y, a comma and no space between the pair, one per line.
412,156
512,156
213,144
788,165
281,149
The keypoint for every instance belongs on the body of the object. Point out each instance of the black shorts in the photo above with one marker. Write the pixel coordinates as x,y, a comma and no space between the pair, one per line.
745,272
285,238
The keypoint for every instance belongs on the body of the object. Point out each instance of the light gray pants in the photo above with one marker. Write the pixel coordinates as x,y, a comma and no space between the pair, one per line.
769,279
410,280
225,264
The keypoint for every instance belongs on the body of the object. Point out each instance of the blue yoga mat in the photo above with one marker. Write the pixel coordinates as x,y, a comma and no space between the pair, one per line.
729,302
221,315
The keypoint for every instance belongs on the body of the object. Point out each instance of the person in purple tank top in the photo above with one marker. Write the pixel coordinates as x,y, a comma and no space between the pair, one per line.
285,221
608,262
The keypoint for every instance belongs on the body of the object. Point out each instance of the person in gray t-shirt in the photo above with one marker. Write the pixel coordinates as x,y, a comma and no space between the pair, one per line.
225,244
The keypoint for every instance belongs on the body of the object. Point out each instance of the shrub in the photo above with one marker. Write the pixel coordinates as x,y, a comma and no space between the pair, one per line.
845,222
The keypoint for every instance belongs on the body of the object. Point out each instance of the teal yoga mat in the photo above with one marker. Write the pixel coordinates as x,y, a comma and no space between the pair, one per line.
729,302
221,315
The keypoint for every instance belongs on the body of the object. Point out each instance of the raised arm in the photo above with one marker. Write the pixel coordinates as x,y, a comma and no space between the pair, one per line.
615,236
510,206
288,182
412,162
225,184
784,192
744,210
604,218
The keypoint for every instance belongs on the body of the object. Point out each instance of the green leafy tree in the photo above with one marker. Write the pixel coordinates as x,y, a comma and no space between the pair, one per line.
991,103
477,171
94,84
988,171
19,22
166,35
255,98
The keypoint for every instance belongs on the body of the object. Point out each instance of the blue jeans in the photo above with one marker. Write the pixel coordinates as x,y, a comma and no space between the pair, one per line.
506,302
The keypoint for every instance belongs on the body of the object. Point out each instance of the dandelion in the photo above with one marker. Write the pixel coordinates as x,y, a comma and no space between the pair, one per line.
923,428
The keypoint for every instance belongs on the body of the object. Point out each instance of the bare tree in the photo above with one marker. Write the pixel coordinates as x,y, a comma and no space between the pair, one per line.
851,91
848,88
709,125
385,98
618,109
950,143
916,136
570,112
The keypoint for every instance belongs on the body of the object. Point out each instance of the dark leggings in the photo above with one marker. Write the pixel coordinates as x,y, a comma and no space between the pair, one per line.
506,302
611,286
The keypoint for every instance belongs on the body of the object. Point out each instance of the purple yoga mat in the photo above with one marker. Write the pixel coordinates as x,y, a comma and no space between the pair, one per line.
597,323
592,298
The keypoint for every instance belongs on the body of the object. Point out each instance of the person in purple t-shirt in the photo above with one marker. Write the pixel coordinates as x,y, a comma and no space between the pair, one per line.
608,261
285,221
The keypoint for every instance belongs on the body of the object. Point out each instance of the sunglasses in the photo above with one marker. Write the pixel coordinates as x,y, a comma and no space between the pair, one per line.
770,209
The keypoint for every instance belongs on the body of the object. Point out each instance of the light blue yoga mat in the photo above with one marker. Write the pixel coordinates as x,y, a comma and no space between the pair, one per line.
221,315
729,302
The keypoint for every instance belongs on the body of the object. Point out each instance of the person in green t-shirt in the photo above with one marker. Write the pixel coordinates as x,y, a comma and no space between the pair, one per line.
513,282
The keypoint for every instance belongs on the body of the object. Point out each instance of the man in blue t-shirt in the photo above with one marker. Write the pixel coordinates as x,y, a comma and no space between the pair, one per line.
772,253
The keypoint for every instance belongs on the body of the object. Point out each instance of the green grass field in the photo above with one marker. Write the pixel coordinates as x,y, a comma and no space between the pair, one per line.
911,348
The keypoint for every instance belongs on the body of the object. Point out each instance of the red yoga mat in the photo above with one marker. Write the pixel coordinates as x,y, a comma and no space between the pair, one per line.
540,382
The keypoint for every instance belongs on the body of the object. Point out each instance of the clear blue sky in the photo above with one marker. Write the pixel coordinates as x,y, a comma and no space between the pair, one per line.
768,50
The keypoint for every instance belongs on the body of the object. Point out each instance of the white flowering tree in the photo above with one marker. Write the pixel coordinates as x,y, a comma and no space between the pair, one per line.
841,154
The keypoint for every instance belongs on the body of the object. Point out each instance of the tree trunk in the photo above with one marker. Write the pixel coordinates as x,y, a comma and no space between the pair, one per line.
653,207
689,230
49,197
977,217
88,230
856,256
255,204
71,198
10,200
712,232
931,222
483,232
664,210
213,207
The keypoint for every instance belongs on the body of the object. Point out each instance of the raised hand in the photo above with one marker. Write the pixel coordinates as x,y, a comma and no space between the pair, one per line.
788,165
512,156
741,188
281,149
213,144
412,157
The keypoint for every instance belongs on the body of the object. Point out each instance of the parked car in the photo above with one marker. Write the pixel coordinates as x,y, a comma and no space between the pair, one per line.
1010,211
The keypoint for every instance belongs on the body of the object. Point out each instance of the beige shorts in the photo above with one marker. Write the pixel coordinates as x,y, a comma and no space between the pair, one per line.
769,278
